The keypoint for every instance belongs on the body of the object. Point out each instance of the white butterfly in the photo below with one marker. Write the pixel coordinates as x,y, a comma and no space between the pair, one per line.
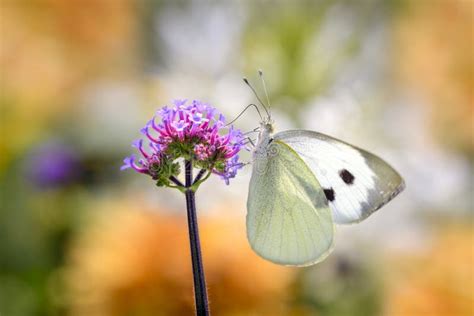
303,183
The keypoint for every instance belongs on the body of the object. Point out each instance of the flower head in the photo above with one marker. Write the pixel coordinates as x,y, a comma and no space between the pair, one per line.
191,130
53,165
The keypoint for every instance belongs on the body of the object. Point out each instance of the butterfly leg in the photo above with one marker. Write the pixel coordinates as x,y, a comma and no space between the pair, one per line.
255,130
249,141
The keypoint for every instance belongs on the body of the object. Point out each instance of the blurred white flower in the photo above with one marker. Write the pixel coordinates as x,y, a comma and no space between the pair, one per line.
109,113
187,31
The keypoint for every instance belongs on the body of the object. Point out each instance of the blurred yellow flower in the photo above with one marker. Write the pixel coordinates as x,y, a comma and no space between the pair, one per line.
49,49
439,281
433,54
132,261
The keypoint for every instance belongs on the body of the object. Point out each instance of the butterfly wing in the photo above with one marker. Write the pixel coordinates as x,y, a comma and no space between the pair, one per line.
289,221
356,182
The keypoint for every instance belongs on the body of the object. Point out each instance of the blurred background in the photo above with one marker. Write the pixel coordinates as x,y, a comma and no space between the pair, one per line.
80,78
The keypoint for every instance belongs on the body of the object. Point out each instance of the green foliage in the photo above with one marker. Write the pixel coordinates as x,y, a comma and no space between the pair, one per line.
286,41
164,171
340,286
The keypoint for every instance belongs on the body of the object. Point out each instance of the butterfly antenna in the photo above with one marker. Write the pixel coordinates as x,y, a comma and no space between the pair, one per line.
260,73
243,111
256,95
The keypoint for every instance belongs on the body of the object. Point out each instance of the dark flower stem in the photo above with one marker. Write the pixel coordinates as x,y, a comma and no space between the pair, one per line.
176,181
200,290
199,176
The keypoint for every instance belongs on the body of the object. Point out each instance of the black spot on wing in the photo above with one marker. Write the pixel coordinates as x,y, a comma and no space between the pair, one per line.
330,194
346,176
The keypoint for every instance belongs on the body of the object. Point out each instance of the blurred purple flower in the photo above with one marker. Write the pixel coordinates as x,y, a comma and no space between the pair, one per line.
194,131
53,165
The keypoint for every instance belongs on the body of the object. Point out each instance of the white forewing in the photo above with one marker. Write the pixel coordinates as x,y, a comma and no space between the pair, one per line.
356,182
288,218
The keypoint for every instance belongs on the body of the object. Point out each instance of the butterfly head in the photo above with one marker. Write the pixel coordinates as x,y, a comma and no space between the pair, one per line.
266,126
265,135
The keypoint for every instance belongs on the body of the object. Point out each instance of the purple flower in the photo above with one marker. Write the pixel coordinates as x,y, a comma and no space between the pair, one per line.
197,118
191,130
129,162
53,165
203,152
180,125
231,168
